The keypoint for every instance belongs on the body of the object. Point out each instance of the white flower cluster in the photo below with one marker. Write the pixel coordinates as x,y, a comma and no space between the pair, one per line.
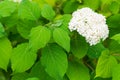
90,25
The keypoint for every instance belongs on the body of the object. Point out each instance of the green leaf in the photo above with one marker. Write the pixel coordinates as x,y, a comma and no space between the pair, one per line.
2,76
20,76
10,21
2,31
54,59
116,37
105,64
29,10
116,72
6,8
39,71
113,31
114,7
114,46
51,2
77,71
47,12
114,24
80,1
34,78
23,57
65,77
95,51
5,52
56,23
114,21
24,28
94,4
105,7
105,3
66,19
99,78
39,37
62,38
79,47
70,6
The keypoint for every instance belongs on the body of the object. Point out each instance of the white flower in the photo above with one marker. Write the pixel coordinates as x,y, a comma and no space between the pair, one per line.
90,25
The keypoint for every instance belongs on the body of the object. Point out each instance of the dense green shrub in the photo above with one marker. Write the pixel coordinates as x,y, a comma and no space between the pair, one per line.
36,44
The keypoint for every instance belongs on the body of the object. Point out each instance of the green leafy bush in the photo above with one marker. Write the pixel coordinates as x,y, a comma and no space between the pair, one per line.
36,44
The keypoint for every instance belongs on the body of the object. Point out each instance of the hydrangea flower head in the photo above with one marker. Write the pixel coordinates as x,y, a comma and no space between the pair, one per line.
90,25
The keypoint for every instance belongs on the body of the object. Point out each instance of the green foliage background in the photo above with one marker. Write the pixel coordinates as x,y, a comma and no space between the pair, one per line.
36,44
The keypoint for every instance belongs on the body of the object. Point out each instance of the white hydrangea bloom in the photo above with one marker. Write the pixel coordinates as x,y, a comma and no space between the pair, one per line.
90,25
